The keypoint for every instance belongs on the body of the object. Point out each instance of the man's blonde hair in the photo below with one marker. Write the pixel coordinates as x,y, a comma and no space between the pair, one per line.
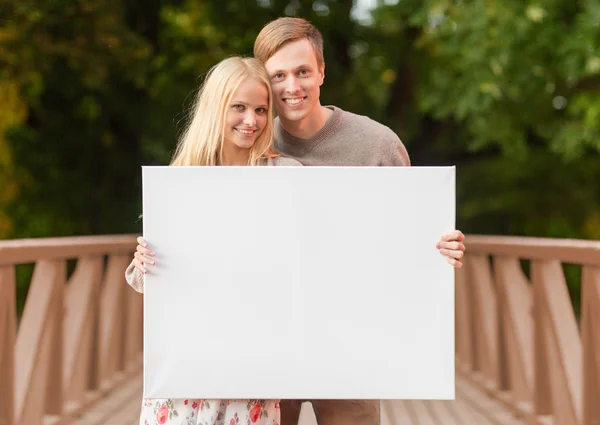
281,31
202,141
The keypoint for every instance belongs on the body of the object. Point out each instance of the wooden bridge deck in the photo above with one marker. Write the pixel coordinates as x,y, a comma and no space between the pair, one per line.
471,407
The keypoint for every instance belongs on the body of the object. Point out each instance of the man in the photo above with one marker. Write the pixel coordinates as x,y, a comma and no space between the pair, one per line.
292,51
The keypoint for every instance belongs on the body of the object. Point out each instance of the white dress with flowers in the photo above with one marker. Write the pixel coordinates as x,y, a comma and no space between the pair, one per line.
209,412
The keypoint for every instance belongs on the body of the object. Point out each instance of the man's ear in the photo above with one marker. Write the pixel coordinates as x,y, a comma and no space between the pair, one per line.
322,74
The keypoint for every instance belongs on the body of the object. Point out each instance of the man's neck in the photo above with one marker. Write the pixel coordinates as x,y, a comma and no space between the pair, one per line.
308,127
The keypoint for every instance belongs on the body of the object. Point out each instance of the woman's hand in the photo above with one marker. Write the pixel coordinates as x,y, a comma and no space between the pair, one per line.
143,256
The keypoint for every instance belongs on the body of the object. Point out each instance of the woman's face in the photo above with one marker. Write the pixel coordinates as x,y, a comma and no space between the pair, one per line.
246,115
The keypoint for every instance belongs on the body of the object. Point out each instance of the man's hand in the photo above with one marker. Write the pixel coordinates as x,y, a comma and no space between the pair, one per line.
452,247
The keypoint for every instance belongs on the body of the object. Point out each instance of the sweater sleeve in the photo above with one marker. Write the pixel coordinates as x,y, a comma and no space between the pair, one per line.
134,278
397,155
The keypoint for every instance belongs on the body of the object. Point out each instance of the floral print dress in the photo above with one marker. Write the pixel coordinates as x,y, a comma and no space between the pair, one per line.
209,412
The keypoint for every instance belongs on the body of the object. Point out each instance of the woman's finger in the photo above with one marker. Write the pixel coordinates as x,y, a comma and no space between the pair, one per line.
144,251
138,265
143,258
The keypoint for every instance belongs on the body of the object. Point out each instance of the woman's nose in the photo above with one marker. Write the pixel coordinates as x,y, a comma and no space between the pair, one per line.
250,119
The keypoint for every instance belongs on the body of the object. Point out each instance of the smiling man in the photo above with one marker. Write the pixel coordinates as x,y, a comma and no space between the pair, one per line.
317,135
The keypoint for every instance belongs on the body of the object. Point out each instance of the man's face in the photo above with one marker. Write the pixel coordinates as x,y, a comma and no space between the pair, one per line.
296,80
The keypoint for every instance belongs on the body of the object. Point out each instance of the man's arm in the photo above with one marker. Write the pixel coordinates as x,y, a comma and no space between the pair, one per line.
450,245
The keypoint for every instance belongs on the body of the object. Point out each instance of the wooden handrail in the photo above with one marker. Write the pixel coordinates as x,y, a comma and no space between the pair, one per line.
22,251
571,251
532,355
55,364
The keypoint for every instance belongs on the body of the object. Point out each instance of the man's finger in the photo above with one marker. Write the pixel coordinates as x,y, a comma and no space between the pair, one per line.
457,264
456,235
450,253
457,246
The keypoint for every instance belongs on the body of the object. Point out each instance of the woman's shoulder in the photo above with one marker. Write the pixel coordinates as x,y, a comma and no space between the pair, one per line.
283,161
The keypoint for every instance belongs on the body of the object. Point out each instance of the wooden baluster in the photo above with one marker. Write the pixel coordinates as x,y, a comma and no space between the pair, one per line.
464,320
80,320
8,335
514,294
54,389
111,320
590,334
36,384
558,374
133,348
486,318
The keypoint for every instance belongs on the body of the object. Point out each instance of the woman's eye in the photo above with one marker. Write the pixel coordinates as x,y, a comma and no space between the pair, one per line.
261,110
238,107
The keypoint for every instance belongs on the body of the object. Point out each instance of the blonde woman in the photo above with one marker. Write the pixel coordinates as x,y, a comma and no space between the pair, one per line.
231,124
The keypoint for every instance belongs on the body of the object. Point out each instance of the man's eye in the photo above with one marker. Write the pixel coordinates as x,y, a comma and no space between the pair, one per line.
303,72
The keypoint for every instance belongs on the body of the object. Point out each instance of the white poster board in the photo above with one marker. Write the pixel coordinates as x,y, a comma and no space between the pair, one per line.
298,282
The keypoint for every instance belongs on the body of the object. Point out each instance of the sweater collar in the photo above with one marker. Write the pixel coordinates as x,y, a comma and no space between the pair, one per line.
325,132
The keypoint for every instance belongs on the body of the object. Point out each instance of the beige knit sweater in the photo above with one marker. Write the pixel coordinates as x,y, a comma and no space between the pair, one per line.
135,278
346,139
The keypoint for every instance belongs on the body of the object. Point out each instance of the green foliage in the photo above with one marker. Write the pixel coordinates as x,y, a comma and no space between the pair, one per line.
506,90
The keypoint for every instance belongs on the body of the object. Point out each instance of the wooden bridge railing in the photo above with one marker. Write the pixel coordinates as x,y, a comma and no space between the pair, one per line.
519,337
45,377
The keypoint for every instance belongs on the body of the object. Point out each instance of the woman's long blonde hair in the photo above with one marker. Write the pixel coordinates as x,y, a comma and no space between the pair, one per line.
202,141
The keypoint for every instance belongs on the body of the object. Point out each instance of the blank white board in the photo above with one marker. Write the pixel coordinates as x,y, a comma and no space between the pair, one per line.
298,282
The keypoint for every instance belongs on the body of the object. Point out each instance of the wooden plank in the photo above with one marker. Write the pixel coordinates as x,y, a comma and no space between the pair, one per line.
443,411
422,414
493,410
395,412
127,397
467,415
128,415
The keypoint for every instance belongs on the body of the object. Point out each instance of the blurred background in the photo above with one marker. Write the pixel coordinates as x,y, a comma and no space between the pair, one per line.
508,91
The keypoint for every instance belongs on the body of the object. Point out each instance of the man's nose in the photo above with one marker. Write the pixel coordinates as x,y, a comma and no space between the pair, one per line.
292,85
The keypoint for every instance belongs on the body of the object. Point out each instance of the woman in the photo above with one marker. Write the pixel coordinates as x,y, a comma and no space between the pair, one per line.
231,124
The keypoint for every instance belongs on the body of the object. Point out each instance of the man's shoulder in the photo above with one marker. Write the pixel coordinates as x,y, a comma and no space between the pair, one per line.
367,126
377,136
